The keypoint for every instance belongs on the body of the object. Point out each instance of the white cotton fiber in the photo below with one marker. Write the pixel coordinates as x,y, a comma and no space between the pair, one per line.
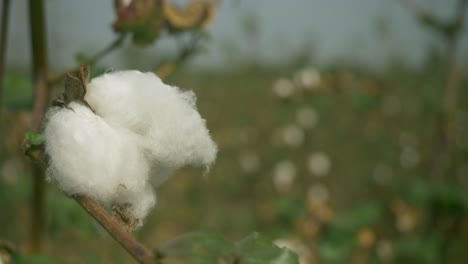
166,117
142,130
87,156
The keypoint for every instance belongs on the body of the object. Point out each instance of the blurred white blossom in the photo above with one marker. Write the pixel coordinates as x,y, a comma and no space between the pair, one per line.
293,136
283,175
409,157
308,79
284,88
384,249
307,117
319,164
405,222
249,162
318,193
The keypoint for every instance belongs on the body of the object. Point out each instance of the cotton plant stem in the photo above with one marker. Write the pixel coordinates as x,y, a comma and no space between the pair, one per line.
446,130
39,54
137,250
3,47
92,60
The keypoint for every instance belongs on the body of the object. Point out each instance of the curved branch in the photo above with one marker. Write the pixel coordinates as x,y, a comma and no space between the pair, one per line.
138,251
92,60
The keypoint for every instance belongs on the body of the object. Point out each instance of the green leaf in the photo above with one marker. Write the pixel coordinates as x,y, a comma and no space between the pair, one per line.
256,249
34,139
205,248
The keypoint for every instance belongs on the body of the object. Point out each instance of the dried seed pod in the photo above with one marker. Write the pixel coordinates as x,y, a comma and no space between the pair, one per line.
197,14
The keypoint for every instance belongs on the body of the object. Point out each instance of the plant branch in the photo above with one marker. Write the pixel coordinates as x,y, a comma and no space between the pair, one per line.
185,53
3,47
138,251
39,52
92,60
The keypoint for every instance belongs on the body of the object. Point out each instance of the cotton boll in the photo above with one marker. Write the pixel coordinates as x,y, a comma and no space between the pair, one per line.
164,116
307,117
308,79
293,136
319,164
284,88
283,175
89,157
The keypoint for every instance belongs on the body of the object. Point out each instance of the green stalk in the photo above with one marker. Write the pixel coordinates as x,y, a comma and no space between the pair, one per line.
39,53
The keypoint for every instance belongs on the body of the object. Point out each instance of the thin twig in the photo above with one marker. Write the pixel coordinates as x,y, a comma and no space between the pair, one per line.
185,53
92,60
39,52
137,250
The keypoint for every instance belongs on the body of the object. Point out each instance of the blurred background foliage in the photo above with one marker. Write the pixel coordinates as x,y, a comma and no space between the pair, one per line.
346,160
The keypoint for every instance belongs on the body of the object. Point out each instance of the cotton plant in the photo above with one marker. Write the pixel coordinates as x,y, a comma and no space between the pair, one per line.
118,136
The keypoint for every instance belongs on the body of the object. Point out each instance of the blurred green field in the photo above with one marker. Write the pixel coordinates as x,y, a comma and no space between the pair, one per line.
368,198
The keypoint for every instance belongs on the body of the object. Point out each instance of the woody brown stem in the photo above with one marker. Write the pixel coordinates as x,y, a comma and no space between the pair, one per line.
137,250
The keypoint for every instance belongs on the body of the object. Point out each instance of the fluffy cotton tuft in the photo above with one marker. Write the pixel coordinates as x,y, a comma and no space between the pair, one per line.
141,129
174,132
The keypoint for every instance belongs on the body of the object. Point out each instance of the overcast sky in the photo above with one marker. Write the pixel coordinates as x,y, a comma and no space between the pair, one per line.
330,29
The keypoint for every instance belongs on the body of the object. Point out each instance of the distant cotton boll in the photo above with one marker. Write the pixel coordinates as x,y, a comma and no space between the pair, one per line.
384,249
391,105
409,157
308,79
405,222
166,117
382,174
293,136
249,162
283,175
307,117
319,164
318,193
284,88
87,156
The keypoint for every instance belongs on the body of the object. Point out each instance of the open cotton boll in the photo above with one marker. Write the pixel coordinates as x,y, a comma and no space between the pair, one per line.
87,156
165,117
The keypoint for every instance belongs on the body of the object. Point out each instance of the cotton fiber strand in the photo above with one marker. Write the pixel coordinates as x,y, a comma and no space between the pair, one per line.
141,131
